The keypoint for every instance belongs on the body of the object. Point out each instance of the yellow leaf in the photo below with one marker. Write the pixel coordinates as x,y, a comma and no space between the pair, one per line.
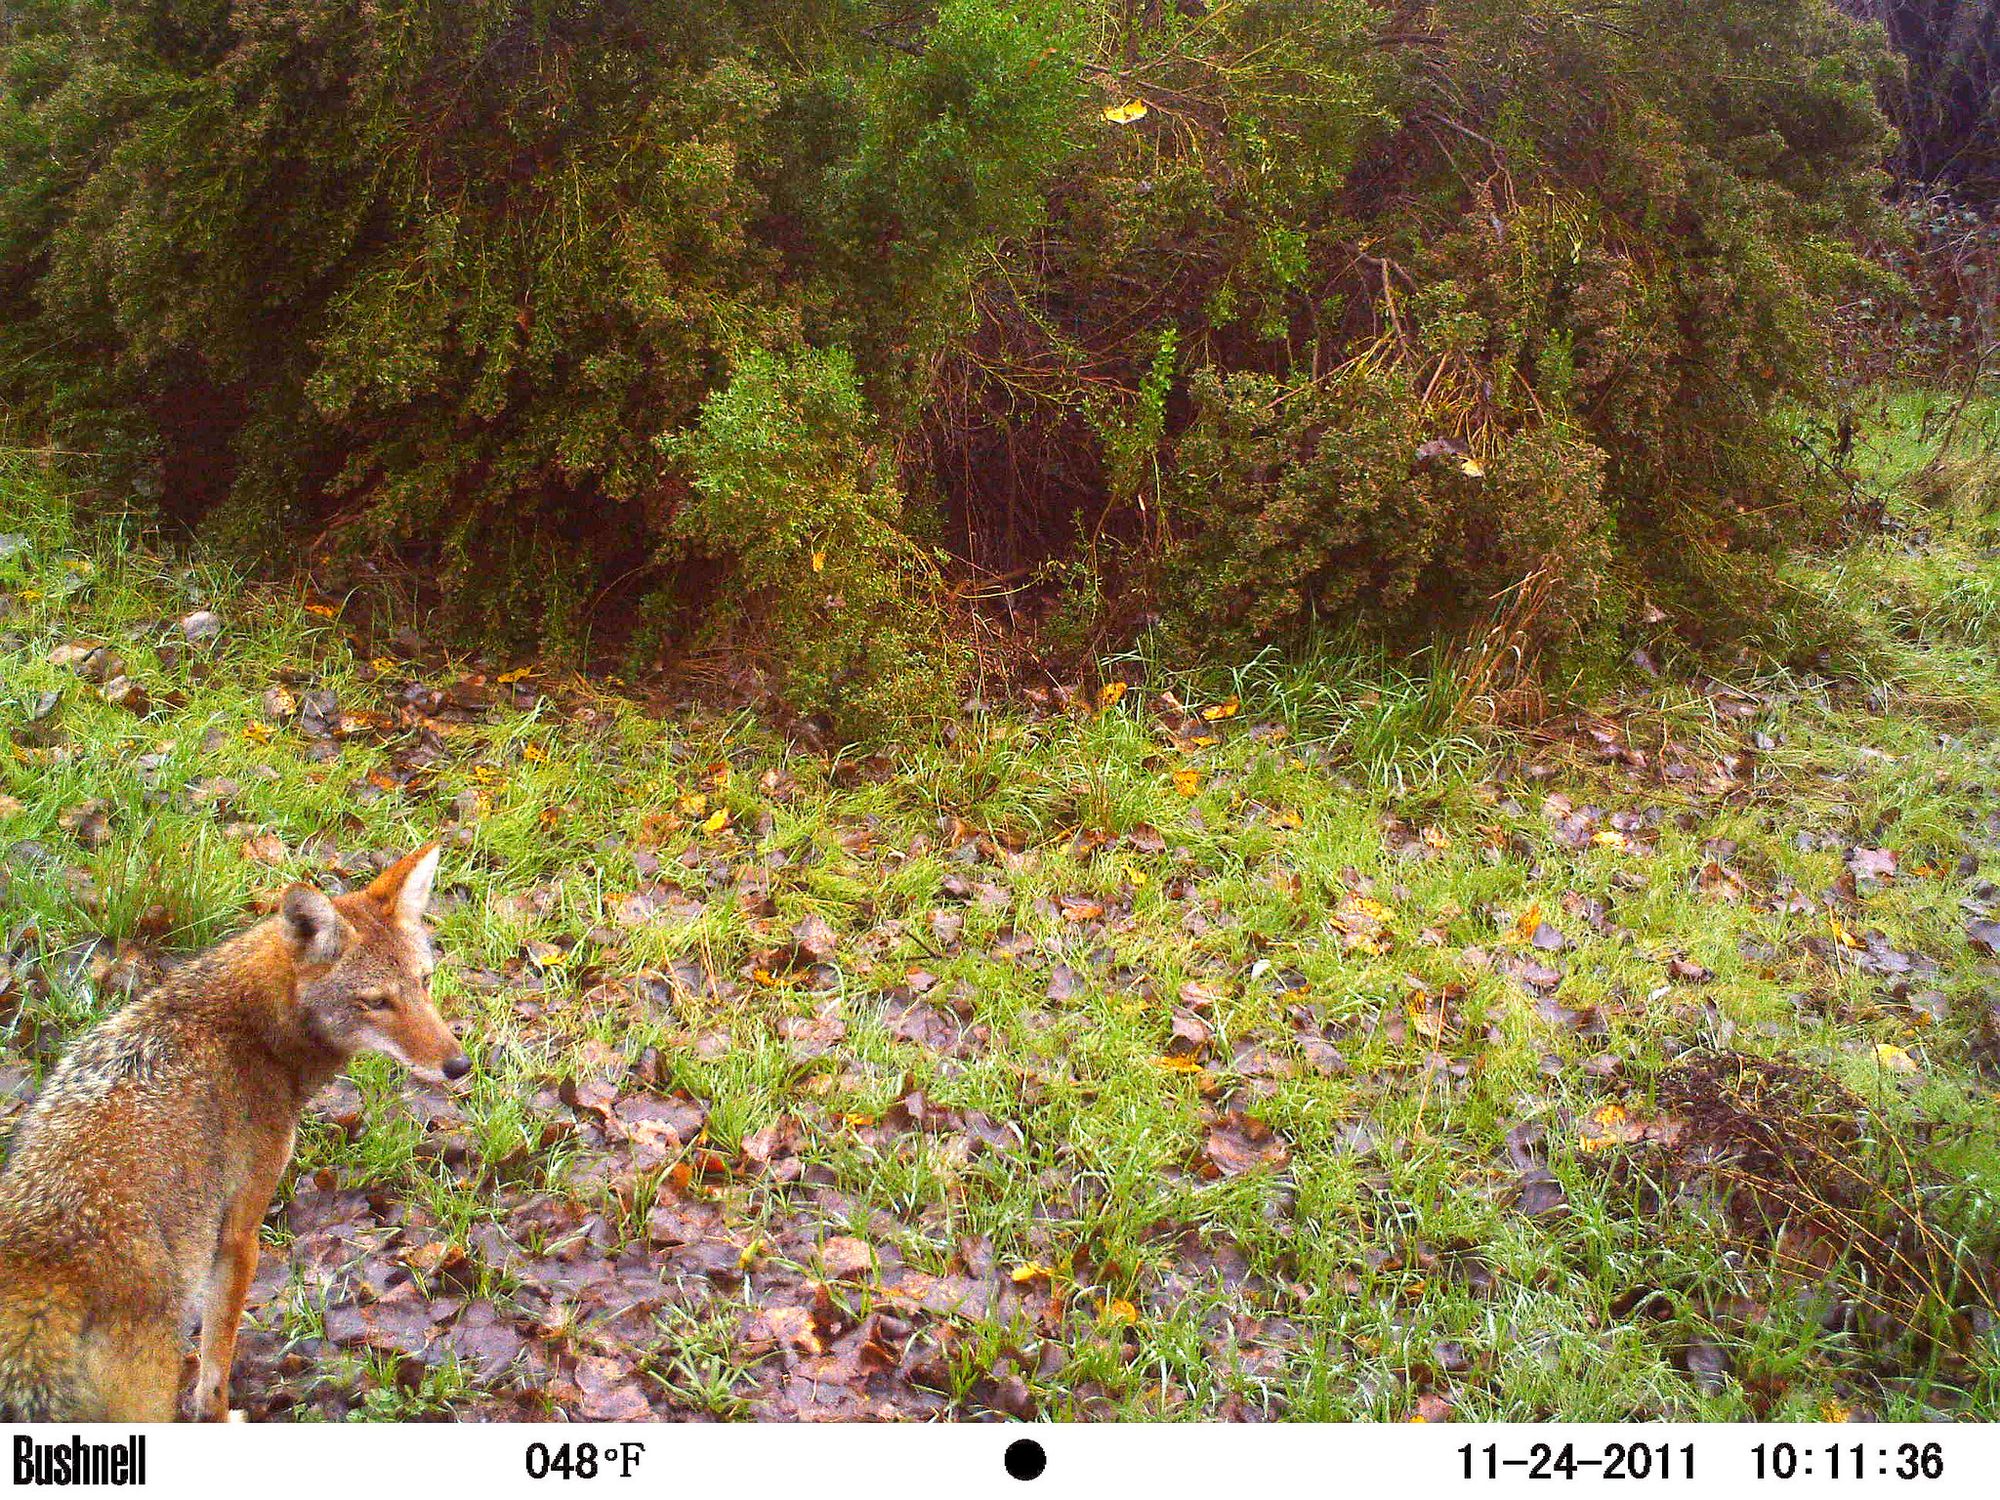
1472,468
1608,1125
257,734
1126,113
1284,817
1187,781
519,674
819,562
533,753
1120,1312
1109,694
693,805
1832,1410
387,664
1608,839
1894,1059
1033,1270
1841,935
324,611
1435,837
1526,924
1226,709
1178,1064
716,821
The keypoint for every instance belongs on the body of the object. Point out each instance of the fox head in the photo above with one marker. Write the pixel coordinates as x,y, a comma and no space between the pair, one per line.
364,962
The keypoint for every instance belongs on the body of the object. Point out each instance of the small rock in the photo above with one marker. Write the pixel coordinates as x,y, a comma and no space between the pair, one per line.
1709,1365
201,625
319,712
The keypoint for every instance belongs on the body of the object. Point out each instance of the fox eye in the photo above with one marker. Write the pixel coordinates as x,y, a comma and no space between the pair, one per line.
377,1000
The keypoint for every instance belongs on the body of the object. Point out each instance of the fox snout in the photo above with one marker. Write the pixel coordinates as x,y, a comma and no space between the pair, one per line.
416,1036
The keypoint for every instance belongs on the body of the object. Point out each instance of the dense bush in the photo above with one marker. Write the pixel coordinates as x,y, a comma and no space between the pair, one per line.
440,275
1589,252
1266,311
801,515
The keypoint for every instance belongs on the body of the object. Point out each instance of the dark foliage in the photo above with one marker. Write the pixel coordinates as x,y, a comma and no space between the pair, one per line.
1947,104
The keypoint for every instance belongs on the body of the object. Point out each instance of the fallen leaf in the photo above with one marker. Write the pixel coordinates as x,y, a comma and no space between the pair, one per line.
1539,1195
845,1257
1872,864
1239,1144
264,849
792,1325
611,1390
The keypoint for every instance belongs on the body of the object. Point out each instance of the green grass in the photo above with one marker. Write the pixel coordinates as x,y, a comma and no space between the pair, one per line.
1067,883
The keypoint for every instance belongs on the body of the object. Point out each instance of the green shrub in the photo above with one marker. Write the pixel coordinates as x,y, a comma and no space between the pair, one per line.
530,292
1330,500
1593,255
802,516
437,276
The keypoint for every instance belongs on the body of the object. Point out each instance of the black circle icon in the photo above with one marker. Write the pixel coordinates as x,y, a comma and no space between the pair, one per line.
1025,1459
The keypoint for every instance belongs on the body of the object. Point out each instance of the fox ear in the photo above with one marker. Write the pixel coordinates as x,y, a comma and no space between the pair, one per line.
312,926
404,889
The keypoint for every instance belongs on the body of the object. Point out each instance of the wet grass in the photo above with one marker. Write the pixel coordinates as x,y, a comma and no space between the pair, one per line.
1304,901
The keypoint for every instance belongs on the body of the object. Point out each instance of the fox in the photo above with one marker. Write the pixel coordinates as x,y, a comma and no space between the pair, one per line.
136,1183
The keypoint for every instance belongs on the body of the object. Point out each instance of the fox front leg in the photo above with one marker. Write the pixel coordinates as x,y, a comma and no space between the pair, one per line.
228,1285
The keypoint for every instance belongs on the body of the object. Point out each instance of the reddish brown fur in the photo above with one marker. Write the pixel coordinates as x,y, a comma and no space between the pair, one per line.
137,1182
